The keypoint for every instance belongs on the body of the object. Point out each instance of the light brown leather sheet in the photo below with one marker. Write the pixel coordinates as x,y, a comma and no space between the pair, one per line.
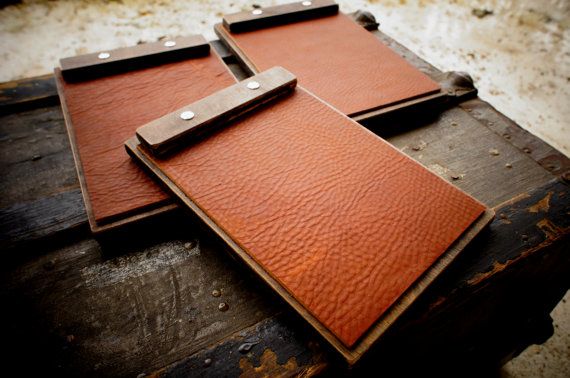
338,61
340,218
105,112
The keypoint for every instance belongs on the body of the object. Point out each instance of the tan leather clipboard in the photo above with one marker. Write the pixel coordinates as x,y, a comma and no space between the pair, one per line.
332,56
343,226
102,112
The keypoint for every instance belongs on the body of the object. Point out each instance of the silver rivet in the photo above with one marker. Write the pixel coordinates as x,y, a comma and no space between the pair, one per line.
187,115
169,44
306,3
253,85
257,12
103,55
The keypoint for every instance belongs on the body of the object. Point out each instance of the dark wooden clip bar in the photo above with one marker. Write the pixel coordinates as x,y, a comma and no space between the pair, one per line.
105,63
166,133
281,14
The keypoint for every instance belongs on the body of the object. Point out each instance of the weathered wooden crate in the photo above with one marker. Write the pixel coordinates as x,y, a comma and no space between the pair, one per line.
142,302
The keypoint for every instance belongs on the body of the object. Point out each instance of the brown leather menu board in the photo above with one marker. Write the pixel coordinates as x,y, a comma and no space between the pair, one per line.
335,59
102,113
347,229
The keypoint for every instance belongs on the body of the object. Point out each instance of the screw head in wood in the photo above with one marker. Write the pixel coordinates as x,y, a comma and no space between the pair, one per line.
187,115
306,3
253,85
169,44
103,55
223,307
256,12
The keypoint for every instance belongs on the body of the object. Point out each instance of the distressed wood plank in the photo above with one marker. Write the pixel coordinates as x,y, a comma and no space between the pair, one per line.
121,309
468,155
27,93
27,221
547,156
270,348
35,157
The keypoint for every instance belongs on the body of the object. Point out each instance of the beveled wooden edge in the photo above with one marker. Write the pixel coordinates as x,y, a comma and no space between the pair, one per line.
278,15
104,63
170,131
99,227
351,355
437,96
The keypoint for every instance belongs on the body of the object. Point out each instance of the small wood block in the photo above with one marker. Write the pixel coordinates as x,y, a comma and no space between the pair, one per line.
111,62
163,134
281,14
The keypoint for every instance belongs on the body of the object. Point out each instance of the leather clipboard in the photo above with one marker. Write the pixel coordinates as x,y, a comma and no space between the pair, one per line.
332,56
344,227
105,96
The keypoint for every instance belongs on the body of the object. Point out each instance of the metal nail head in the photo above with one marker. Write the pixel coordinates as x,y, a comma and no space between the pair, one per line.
257,12
169,44
253,85
103,55
223,307
306,3
187,115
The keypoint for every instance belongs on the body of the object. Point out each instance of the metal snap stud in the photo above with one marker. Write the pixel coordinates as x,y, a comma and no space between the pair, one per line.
253,85
306,3
169,44
257,12
187,115
103,55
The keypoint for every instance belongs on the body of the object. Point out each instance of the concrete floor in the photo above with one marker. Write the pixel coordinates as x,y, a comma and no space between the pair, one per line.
518,52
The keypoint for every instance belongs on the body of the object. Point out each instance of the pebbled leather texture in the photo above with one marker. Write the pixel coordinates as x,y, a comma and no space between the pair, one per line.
107,111
338,61
343,220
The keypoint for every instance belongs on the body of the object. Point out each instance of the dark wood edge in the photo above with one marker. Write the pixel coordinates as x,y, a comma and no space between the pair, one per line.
437,98
431,98
351,355
90,66
228,41
76,157
279,15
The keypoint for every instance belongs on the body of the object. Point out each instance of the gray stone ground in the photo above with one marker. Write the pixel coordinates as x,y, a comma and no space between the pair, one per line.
518,52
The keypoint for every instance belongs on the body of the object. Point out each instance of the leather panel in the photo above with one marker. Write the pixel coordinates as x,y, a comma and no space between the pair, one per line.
107,111
337,60
344,221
